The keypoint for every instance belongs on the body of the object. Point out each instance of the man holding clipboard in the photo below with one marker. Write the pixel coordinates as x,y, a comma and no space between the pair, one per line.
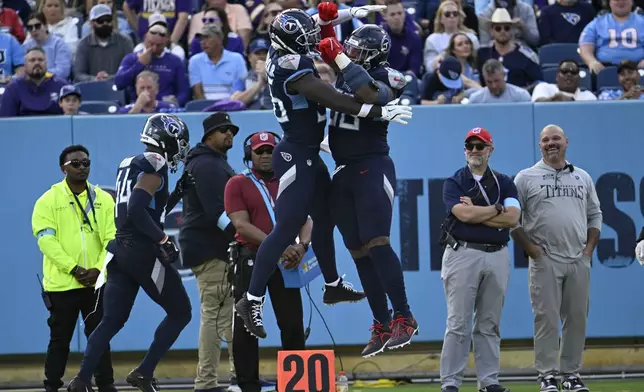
249,201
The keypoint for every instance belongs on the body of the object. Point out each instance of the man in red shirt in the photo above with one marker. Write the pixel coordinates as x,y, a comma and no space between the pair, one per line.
11,23
247,199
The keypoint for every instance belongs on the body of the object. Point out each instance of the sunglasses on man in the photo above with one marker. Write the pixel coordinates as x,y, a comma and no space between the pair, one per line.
499,28
475,146
76,163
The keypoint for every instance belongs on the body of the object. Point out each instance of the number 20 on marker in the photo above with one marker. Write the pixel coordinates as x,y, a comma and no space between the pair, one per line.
306,371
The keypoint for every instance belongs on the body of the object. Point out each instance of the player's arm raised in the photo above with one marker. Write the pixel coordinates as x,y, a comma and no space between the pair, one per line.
142,194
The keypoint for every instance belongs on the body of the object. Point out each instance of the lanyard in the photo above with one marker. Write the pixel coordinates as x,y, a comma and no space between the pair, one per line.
485,196
89,206
266,195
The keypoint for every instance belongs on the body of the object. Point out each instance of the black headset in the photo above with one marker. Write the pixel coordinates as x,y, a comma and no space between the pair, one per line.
247,151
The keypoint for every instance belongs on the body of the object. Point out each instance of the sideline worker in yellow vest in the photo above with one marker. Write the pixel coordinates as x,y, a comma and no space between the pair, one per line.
73,222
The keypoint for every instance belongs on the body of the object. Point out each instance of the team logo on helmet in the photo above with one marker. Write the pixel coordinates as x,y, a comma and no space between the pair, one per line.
171,125
288,24
386,43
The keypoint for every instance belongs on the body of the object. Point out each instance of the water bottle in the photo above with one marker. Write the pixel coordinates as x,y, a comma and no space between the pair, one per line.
342,385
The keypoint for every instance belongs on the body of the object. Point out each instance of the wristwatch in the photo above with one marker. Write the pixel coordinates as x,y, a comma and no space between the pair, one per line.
499,208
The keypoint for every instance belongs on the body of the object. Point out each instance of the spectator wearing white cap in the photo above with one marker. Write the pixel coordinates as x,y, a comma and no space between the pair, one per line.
177,13
100,53
158,19
215,73
120,23
521,63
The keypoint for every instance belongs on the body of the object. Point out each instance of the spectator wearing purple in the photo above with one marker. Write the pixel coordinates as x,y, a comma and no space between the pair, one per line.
176,12
406,54
175,49
173,83
215,73
34,94
563,21
256,96
59,56
232,41
147,88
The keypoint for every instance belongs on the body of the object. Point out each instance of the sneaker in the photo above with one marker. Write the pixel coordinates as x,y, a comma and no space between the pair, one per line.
343,292
548,384
267,386
573,384
78,385
107,388
233,386
449,388
494,388
251,312
402,330
145,384
380,335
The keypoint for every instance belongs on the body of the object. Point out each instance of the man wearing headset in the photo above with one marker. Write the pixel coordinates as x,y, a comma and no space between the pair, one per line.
249,199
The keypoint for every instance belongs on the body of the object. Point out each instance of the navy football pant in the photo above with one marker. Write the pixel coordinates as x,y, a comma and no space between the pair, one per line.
362,206
304,189
162,284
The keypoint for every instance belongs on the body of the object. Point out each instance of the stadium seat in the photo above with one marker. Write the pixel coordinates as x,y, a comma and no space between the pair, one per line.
585,79
101,91
607,77
552,54
199,104
99,107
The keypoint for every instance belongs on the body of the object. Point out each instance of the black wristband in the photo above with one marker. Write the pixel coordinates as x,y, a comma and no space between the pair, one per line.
306,246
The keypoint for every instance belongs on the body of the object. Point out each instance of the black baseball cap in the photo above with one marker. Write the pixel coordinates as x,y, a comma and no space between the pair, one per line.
216,121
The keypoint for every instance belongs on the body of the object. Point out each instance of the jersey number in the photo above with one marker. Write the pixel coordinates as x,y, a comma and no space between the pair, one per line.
346,121
628,38
122,189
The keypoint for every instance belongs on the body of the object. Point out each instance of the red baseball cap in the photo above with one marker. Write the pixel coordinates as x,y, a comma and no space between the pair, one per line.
480,133
262,139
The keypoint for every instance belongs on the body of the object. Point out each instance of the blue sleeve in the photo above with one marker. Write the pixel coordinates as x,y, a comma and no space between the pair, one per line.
452,194
195,47
240,83
62,65
10,104
194,76
589,35
85,29
182,85
126,74
17,54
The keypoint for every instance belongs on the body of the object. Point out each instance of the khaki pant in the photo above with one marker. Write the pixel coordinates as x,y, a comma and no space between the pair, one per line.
216,320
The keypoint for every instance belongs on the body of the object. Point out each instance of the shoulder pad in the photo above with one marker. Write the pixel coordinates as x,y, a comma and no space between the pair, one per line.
529,53
290,61
157,161
396,79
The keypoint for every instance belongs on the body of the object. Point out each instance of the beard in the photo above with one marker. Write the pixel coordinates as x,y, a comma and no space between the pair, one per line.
37,73
103,31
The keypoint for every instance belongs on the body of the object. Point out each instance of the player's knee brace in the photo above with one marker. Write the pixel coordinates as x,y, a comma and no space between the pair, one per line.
378,241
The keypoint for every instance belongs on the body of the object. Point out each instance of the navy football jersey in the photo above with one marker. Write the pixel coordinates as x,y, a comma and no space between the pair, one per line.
302,121
352,138
128,174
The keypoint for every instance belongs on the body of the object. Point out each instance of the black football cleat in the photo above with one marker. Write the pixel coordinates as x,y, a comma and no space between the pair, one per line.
78,385
343,292
402,330
380,335
145,384
250,312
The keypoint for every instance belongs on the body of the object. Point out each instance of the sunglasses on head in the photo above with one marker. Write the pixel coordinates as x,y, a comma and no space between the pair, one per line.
475,146
35,26
569,71
450,14
210,20
76,163
498,28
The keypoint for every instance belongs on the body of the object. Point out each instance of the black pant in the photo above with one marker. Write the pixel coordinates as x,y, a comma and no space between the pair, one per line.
62,322
287,304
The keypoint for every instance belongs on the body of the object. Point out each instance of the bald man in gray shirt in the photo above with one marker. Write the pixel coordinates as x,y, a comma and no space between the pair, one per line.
559,229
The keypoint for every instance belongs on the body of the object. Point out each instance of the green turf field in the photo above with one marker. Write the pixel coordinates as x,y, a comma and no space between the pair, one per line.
595,386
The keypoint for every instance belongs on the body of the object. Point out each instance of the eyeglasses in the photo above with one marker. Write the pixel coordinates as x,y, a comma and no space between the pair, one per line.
75,163
498,28
451,14
475,146
264,150
210,20
102,21
36,26
568,71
